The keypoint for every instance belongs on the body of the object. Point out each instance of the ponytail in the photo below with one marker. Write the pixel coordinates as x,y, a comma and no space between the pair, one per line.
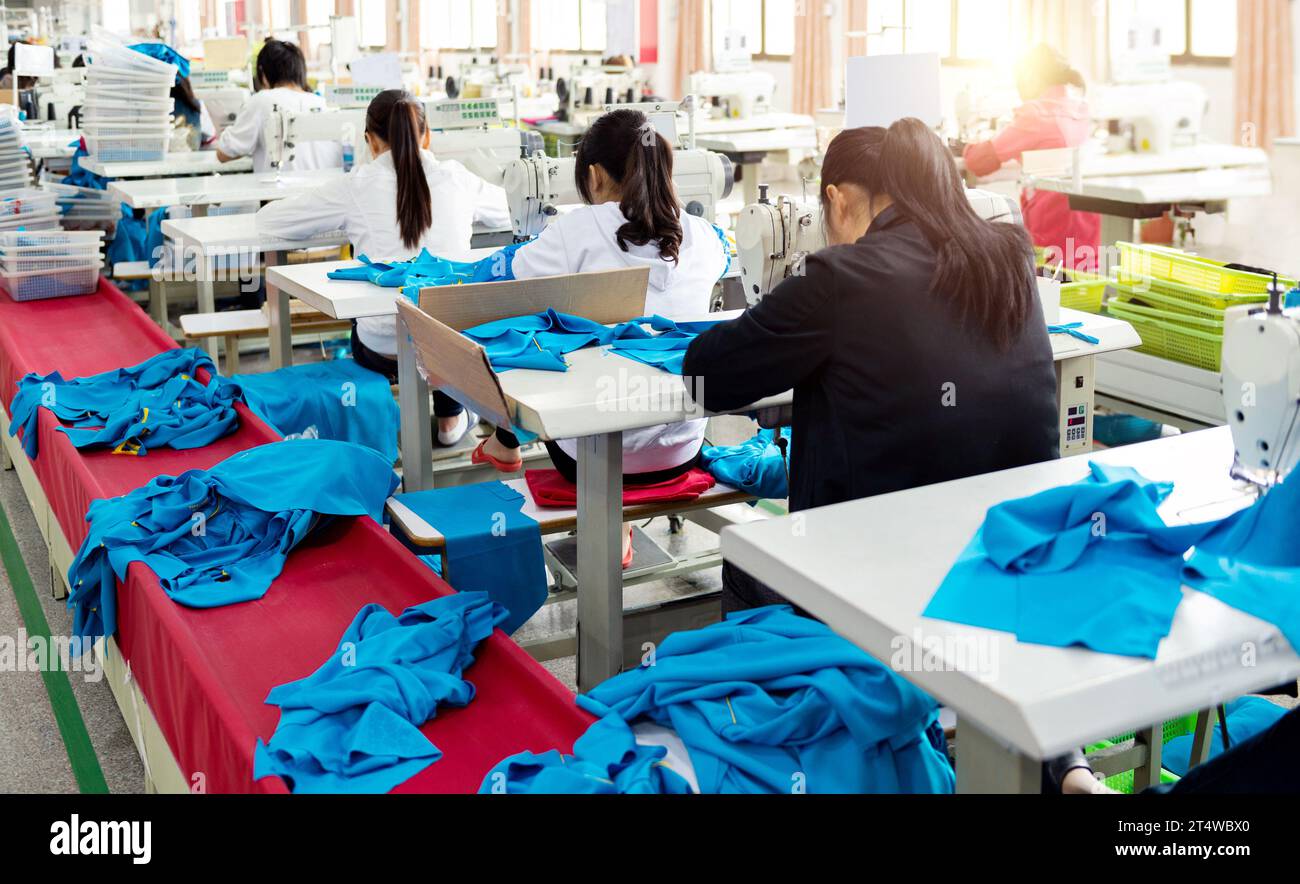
640,160
1044,66
397,118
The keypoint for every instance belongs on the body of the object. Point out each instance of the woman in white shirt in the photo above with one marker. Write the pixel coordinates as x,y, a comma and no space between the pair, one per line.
280,79
624,171
403,201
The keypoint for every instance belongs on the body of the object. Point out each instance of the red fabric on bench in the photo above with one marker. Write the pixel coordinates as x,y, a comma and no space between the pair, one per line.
549,488
205,673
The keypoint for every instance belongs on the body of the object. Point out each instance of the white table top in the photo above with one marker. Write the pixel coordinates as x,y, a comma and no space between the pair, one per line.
1211,185
1112,334
223,235
194,162
766,140
869,567
153,193
51,143
1183,159
760,123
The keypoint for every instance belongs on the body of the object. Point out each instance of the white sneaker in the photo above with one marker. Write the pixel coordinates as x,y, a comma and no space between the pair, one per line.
467,420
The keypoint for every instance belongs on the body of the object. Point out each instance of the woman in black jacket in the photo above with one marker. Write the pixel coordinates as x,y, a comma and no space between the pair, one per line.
915,343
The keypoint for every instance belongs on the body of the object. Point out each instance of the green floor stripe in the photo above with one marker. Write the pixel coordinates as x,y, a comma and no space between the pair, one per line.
72,727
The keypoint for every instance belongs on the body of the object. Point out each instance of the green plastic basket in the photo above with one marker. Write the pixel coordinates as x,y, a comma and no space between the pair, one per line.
1187,298
1123,781
1085,291
1177,337
1209,276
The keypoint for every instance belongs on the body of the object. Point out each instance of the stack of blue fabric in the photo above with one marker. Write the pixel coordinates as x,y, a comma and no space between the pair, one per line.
1094,564
220,536
756,466
766,702
540,341
159,402
354,724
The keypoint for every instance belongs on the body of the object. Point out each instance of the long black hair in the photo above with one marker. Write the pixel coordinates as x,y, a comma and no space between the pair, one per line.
986,266
395,117
640,160
280,63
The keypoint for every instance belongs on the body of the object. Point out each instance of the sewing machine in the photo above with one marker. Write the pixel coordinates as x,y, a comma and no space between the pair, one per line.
223,102
1261,389
538,185
284,130
774,239
1151,117
735,95
589,89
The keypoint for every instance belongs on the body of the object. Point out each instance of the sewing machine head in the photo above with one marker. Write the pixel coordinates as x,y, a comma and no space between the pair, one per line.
1160,116
1261,390
588,88
285,130
774,239
735,95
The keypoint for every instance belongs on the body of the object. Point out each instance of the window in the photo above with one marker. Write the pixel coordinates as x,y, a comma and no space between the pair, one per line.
569,25
372,22
117,16
766,25
318,22
458,24
1190,31
958,31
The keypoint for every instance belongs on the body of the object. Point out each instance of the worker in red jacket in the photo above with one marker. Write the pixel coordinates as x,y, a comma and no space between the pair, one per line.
1054,115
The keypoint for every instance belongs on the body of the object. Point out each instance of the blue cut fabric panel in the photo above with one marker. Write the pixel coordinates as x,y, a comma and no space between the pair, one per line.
80,176
606,760
1247,717
336,399
540,341
1089,564
137,239
156,403
1253,562
166,54
220,536
755,466
768,701
426,270
353,725
492,547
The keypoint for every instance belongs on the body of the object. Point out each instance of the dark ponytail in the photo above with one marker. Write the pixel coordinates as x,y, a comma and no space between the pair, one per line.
1044,67
987,267
640,160
395,117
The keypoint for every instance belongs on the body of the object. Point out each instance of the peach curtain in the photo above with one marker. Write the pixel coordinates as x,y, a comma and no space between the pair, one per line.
811,63
855,22
514,38
693,50
1265,72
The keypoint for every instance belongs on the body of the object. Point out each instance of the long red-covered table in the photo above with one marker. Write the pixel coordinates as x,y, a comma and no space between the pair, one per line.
205,673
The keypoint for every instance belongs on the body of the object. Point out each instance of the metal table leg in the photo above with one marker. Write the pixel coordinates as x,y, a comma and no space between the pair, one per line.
208,299
985,766
413,401
600,553
1148,774
281,327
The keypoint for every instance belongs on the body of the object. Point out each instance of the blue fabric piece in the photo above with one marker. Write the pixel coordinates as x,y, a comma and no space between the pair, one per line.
166,54
1089,564
492,547
755,467
540,340
426,270
1253,562
156,403
768,701
220,536
1072,329
726,247
336,399
1247,717
353,725
137,239
606,760
83,177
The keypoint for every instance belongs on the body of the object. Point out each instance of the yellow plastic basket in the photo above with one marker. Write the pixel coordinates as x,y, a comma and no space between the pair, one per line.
1085,292
1180,338
1211,277
1178,299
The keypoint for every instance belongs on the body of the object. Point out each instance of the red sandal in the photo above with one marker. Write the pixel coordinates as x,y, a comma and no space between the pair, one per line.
479,456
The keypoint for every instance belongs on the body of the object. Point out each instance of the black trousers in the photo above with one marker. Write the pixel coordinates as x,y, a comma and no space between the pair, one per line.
443,405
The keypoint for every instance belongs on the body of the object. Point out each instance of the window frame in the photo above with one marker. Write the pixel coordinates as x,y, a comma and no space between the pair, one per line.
599,53
1188,58
952,59
480,49
762,54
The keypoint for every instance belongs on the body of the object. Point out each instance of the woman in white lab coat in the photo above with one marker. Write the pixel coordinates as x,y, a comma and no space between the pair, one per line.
403,201
280,78
624,171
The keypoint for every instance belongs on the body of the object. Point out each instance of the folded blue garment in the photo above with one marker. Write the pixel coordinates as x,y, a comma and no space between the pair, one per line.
336,399
1093,564
156,403
768,701
1247,717
606,760
492,547
426,270
353,725
540,340
755,467
167,54
219,536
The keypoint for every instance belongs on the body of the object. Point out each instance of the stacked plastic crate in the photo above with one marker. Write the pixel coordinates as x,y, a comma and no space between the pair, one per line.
128,109
37,264
1176,301
15,164
82,208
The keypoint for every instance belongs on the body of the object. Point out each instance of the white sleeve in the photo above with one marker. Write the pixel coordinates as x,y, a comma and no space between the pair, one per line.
206,127
490,208
321,210
241,137
545,256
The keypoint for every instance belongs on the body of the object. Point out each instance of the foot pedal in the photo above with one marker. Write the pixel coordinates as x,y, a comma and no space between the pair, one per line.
647,555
